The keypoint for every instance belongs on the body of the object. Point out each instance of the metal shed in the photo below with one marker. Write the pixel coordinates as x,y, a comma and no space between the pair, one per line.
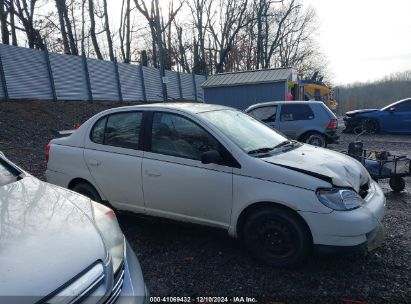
242,89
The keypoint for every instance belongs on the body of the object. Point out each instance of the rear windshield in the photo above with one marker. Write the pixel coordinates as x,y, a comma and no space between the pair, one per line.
8,174
329,112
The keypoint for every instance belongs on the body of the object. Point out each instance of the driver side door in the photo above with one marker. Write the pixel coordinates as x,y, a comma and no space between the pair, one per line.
176,184
398,118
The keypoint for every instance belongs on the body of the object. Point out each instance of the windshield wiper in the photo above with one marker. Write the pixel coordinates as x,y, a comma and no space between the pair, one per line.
284,143
290,143
261,150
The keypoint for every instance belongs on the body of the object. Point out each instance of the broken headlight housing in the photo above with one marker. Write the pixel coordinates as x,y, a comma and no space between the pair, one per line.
340,199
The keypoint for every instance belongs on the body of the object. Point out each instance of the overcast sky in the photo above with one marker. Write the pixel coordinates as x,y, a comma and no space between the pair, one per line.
364,39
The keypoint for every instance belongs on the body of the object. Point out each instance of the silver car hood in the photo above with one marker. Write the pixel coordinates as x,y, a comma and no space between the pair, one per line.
337,168
47,237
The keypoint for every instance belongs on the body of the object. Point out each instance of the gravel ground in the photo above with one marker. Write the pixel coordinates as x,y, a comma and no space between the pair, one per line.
187,260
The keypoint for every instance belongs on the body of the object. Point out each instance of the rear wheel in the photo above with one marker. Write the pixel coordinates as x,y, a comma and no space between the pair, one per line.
315,139
87,190
277,237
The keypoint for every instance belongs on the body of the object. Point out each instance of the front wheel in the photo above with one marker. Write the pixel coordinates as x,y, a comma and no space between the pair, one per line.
87,190
397,184
277,237
369,126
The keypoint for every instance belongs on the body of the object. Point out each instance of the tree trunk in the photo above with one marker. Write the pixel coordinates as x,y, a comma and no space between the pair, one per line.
93,30
161,49
13,25
60,11
70,35
83,23
108,33
4,29
128,33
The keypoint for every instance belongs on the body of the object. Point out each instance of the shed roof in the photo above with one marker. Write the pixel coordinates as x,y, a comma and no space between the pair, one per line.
247,77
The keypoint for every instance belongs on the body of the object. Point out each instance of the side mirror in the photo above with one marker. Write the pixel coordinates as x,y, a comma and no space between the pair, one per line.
391,110
211,157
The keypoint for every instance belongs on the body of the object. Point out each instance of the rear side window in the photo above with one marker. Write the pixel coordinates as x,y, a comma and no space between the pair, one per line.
266,114
295,112
118,130
97,134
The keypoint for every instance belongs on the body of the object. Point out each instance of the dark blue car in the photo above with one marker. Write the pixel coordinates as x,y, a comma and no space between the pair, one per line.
394,118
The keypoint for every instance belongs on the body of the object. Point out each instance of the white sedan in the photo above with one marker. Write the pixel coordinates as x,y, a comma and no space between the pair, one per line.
217,166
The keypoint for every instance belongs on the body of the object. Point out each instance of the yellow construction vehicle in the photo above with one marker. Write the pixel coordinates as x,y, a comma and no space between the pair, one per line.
316,89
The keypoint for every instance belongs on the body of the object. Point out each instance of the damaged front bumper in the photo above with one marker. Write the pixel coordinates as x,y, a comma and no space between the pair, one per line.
350,230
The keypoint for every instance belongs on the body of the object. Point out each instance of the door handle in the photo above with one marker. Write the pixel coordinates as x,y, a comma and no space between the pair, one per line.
94,162
153,173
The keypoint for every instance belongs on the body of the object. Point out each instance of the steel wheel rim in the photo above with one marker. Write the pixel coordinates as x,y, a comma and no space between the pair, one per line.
277,238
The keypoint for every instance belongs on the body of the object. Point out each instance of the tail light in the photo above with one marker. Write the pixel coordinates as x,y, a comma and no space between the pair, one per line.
47,150
333,124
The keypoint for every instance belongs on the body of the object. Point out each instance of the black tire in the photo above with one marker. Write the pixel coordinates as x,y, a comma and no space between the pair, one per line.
87,190
368,126
315,139
277,237
397,184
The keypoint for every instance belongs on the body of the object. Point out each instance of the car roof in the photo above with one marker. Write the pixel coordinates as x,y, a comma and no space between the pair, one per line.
182,106
272,103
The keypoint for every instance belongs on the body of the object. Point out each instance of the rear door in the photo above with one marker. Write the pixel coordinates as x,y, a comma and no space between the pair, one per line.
114,157
266,114
295,119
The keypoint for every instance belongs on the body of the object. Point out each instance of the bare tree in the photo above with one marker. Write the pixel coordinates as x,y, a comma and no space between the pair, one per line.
157,28
60,11
201,22
3,20
93,29
108,32
25,12
12,24
125,31
233,17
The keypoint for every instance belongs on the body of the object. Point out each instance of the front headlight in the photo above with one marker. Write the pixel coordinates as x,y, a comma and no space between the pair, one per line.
107,224
340,199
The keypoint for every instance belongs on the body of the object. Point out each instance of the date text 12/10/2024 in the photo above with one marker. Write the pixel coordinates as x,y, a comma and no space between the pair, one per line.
203,300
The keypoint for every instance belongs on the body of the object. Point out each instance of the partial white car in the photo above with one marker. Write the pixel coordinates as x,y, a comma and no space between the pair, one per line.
57,246
216,166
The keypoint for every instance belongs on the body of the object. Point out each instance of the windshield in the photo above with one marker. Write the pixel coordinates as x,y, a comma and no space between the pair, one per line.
7,173
246,132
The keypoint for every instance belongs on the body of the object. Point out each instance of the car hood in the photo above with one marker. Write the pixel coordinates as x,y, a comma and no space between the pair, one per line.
47,237
361,111
338,169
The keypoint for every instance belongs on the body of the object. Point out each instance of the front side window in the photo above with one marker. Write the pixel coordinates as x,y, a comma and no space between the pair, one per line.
265,114
296,112
177,136
404,106
118,130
